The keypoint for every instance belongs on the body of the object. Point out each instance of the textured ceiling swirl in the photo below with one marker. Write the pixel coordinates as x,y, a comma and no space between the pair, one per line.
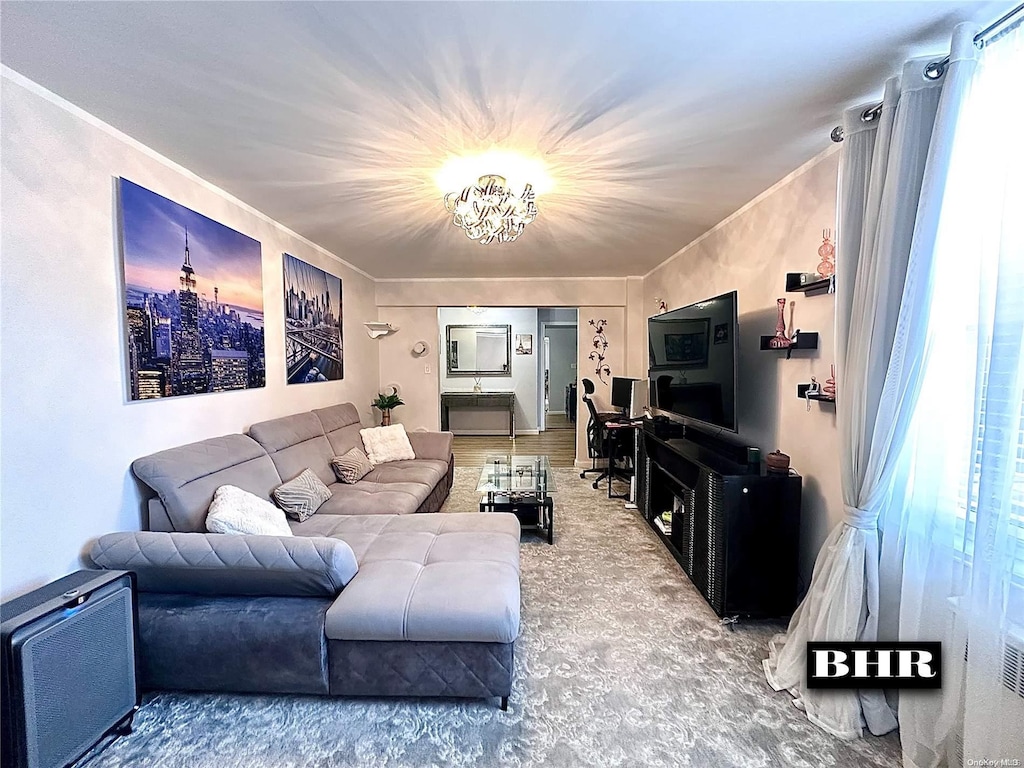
655,120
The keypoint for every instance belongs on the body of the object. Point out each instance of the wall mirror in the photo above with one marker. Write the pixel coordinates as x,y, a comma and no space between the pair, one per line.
479,350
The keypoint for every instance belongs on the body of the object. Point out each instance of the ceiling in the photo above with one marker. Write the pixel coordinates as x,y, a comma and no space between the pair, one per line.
655,120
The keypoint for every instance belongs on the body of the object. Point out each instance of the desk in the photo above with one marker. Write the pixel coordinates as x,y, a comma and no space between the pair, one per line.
619,435
451,400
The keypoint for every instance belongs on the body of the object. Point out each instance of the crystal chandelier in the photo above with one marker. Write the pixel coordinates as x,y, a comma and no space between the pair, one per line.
490,212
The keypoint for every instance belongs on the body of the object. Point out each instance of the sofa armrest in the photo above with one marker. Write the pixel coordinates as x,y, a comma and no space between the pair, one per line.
432,445
221,564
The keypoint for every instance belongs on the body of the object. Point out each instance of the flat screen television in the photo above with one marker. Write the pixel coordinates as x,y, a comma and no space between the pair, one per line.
693,356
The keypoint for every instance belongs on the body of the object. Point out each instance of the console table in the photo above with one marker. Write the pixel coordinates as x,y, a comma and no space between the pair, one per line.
507,400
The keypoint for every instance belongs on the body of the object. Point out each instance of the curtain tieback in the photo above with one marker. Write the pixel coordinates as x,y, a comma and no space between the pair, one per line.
862,519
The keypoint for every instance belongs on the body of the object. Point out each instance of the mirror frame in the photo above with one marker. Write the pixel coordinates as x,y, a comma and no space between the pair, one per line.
508,350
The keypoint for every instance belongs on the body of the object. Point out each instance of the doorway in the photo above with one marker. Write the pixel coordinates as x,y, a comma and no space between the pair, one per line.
559,349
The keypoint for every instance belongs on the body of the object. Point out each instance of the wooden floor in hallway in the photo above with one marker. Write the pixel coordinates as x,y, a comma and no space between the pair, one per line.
558,421
558,444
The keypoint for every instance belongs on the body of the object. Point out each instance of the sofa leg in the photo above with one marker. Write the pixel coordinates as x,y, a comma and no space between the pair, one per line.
504,703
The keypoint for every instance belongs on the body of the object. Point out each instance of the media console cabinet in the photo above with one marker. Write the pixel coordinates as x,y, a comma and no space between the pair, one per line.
735,528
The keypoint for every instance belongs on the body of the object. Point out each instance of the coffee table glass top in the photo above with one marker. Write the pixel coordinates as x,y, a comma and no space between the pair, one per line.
516,474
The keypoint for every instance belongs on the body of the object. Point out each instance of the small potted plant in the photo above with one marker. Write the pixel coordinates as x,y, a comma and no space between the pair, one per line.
384,403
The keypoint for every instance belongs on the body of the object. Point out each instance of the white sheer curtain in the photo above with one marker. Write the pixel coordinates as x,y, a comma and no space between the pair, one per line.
885,193
953,539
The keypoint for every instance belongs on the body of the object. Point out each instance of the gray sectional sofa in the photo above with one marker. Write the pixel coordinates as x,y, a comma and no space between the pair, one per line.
364,599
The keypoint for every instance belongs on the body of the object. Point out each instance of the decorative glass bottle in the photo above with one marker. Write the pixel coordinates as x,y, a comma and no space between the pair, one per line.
827,252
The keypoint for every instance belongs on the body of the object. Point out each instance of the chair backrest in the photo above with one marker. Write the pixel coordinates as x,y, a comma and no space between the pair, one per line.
588,398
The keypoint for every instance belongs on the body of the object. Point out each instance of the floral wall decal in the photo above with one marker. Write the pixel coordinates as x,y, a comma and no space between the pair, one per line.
598,355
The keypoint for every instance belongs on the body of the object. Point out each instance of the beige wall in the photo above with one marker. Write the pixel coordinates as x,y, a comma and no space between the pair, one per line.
751,252
415,377
69,434
636,329
488,292
615,332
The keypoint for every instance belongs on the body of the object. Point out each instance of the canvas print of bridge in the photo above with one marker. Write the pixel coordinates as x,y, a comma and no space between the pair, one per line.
312,323
193,299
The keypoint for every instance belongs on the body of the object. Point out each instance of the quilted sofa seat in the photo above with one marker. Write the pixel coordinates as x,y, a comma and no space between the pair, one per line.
432,578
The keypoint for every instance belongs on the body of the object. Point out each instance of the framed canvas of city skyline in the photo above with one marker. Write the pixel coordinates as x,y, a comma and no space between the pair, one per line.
193,300
313,347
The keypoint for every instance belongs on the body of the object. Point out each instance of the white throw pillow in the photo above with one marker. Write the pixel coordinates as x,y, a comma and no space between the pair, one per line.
240,512
384,444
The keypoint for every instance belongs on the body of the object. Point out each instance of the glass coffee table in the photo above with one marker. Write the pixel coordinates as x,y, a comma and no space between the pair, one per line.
523,486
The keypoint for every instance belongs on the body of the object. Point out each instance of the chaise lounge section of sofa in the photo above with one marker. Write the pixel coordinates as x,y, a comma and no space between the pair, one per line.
364,598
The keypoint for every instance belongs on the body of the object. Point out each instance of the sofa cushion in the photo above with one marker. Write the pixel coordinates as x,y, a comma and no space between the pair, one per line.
234,511
384,444
341,425
351,467
367,498
301,497
422,471
186,477
212,564
432,445
451,577
295,443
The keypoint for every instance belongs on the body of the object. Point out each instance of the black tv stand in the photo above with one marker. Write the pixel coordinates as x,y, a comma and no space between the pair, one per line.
737,453
735,529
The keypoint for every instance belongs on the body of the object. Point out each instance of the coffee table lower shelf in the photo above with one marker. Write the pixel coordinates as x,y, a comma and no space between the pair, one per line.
535,511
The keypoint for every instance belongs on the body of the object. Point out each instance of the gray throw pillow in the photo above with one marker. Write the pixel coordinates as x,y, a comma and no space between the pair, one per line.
301,497
352,466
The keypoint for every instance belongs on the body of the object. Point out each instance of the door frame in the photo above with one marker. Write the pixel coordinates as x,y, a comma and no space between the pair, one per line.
542,411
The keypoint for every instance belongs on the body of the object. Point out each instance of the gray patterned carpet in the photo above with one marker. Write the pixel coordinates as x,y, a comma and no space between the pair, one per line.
620,663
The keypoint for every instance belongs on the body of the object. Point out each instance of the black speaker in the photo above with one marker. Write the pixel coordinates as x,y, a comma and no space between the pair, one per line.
69,668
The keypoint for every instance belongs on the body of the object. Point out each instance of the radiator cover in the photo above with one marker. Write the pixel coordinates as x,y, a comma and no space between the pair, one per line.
69,677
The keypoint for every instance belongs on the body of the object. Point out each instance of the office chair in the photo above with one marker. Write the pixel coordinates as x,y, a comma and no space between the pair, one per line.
596,443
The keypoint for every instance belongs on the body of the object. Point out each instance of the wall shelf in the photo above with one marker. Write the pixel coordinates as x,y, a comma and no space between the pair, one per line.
804,340
813,286
801,392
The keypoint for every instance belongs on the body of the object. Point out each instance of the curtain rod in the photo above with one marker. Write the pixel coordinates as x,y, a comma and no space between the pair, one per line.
935,69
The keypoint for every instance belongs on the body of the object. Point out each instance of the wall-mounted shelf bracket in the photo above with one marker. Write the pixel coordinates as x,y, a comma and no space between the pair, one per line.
376,330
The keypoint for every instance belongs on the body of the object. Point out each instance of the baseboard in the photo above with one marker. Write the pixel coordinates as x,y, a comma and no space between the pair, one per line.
493,433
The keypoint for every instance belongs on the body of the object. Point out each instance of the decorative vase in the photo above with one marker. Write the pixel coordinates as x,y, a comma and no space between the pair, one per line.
827,252
780,340
778,462
385,418
829,390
